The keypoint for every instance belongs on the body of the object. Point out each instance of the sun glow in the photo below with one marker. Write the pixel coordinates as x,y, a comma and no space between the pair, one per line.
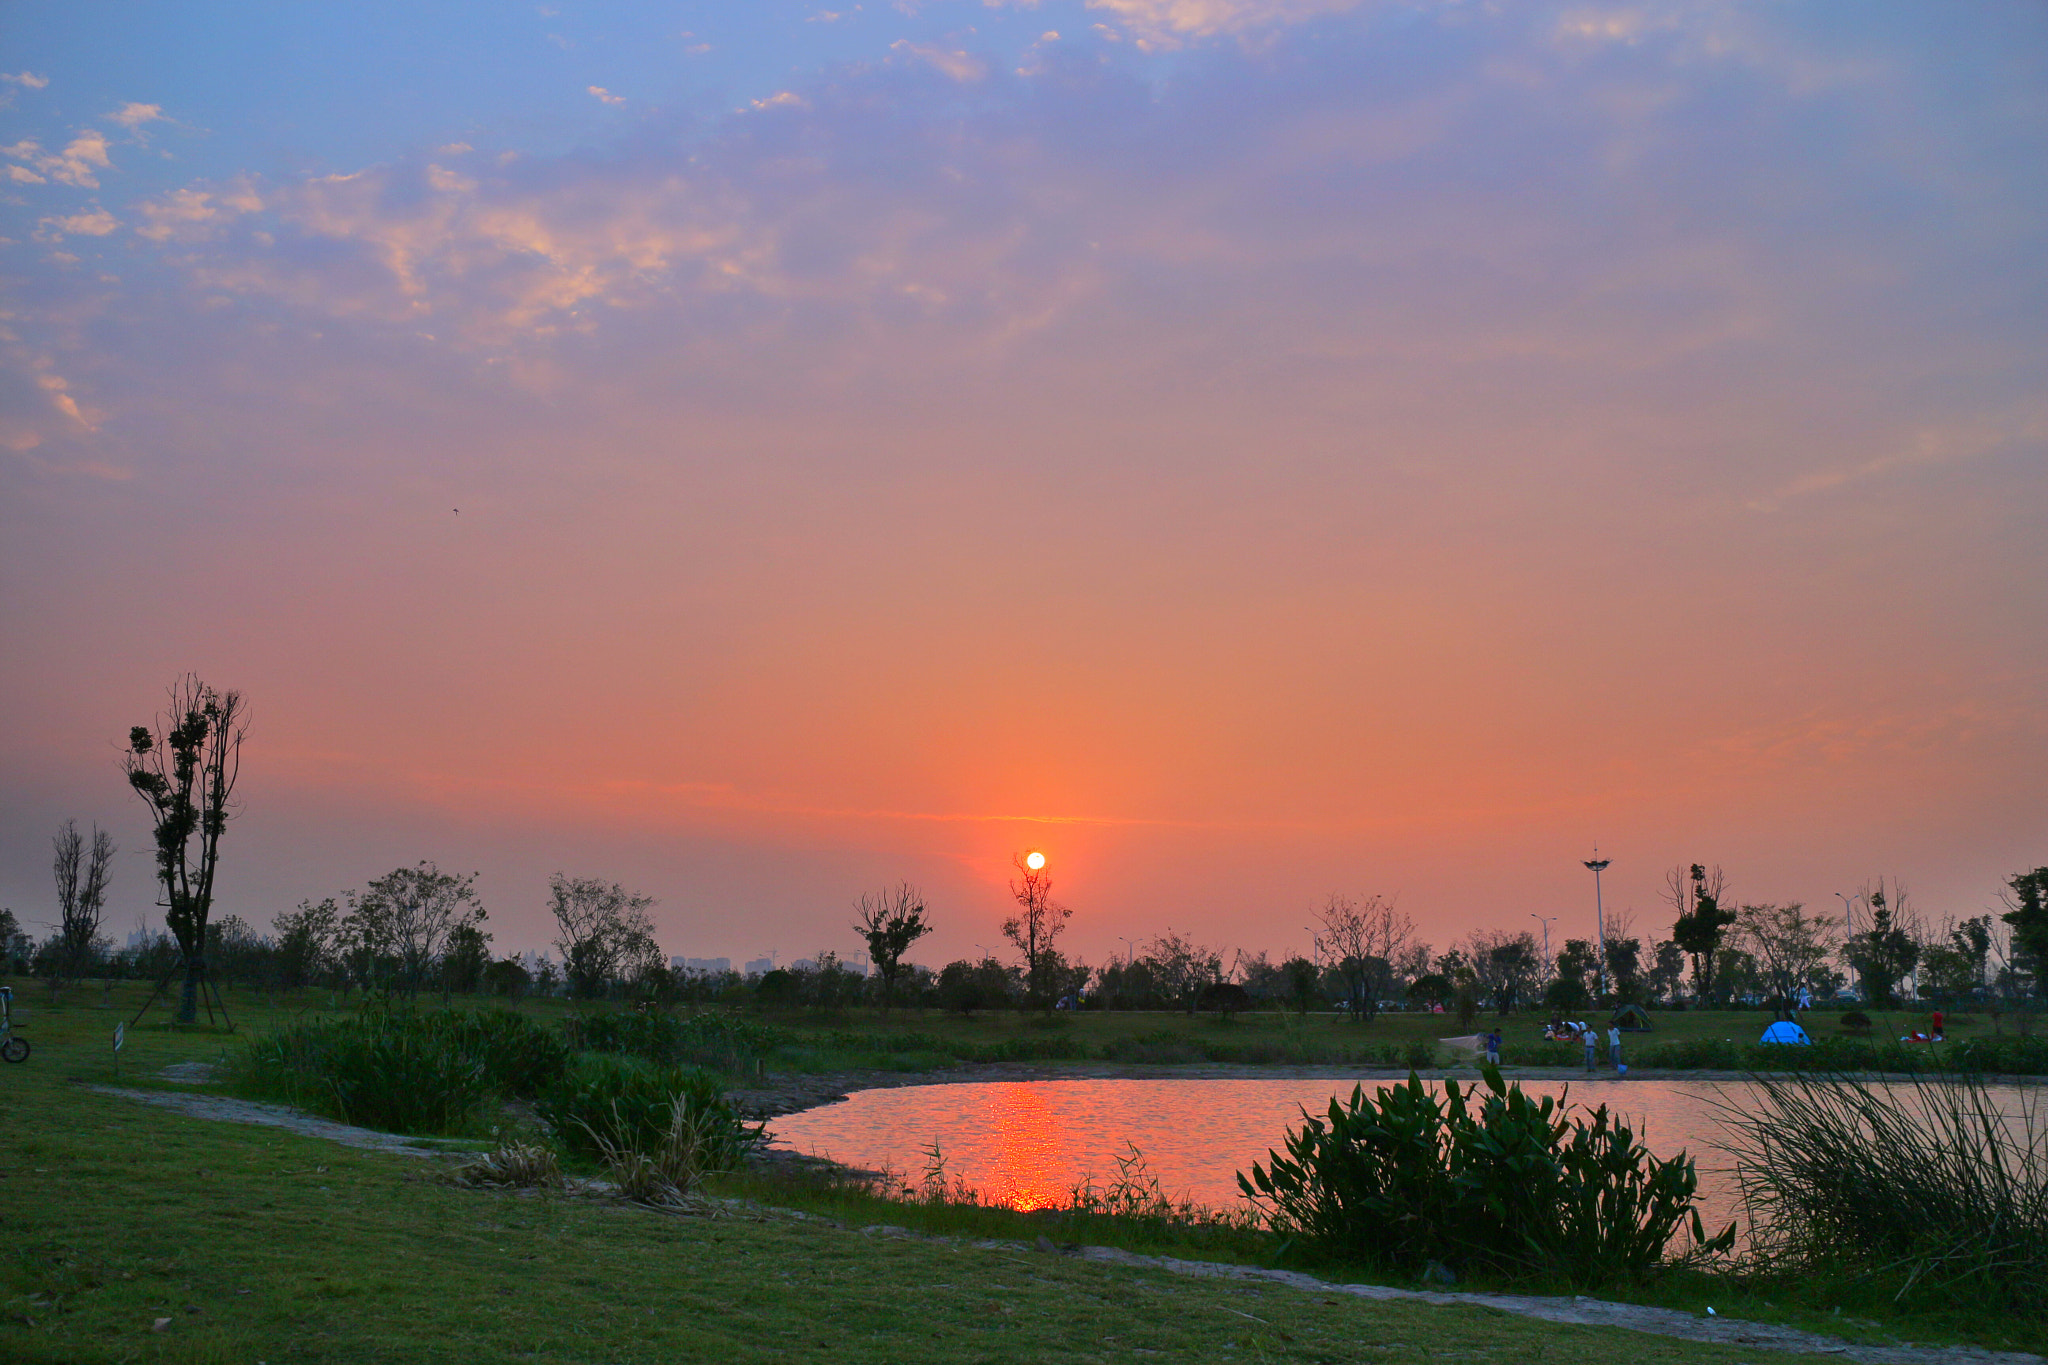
1034,860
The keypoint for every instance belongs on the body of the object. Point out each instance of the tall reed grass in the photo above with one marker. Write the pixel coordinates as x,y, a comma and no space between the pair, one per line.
1922,1188
402,1071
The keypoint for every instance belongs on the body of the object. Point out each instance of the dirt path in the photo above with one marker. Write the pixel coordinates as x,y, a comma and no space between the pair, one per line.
228,1110
1663,1322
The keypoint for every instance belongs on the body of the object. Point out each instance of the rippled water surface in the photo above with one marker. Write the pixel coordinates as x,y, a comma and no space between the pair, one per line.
1027,1143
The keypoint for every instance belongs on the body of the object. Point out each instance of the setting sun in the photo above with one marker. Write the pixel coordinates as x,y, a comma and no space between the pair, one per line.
1034,860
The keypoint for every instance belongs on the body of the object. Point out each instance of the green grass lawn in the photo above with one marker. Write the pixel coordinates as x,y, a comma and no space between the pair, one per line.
258,1245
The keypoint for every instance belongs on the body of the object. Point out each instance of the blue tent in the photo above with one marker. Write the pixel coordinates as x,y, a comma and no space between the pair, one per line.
1785,1031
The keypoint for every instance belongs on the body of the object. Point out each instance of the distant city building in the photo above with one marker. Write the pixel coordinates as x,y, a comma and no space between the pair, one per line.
706,965
761,966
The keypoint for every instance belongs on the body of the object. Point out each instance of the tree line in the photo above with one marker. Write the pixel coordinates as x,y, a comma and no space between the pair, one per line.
418,929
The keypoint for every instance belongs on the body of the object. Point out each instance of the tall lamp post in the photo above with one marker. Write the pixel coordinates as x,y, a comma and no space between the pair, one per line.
1849,921
1598,865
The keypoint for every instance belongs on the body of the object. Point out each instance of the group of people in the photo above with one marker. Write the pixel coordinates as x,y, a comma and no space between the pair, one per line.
1565,1031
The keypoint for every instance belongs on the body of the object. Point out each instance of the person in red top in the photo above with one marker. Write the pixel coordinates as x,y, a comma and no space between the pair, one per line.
1937,1025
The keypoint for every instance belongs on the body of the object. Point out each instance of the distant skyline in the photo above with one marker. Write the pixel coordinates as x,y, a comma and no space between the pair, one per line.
1250,449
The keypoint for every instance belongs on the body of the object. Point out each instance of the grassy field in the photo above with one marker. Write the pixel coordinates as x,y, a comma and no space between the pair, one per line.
250,1244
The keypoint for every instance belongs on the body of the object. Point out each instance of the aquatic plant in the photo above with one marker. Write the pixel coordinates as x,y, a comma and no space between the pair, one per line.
1490,1181
605,1103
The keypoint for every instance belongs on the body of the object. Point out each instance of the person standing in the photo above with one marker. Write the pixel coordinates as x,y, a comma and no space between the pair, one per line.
1493,1047
1614,1049
1591,1039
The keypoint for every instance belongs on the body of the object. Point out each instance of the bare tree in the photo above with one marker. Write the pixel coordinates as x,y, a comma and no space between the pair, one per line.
81,872
1182,967
1361,941
1038,921
890,921
604,933
184,767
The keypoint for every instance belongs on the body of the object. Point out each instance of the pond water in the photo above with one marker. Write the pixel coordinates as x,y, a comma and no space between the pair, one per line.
1026,1144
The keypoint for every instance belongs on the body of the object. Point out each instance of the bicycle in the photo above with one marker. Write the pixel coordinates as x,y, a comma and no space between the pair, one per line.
12,1049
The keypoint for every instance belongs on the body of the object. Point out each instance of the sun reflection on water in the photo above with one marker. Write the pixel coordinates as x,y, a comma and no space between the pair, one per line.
1032,1164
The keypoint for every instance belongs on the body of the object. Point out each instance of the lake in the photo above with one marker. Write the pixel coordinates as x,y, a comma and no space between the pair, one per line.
1026,1144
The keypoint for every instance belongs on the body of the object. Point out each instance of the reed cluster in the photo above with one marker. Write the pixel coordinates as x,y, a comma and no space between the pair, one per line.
402,1071
1922,1188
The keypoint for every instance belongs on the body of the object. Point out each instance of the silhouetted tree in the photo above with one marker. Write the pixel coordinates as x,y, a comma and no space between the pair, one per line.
415,910
308,942
1360,940
1038,921
1505,966
465,959
890,921
1791,948
184,767
1667,970
1887,952
604,932
2026,899
1701,923
81,873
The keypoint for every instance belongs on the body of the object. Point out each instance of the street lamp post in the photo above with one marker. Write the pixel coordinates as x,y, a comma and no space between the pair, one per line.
1598,865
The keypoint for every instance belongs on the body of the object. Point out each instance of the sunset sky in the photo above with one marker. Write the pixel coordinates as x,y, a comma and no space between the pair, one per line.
1251,449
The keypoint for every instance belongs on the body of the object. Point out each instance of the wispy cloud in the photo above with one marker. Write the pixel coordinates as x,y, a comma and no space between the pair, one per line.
132,116
605,96
1926,448
958,65
92,223
76,165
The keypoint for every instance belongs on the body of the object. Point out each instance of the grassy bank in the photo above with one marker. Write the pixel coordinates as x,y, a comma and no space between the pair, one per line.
254,1244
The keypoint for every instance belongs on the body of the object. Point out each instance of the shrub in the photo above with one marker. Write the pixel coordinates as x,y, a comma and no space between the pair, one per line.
1856,1022
605,1101
2005,1054
1696,1054
1419,1055
1543,1052
400,1071
1920,1186
1513,1186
